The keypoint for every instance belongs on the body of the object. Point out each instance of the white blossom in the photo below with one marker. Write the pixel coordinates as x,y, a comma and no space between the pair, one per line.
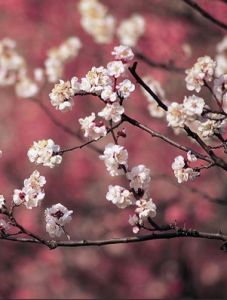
32,192
193,105
96,21
203,70
125,88
178,163
2,201
221,57
154,110
135,222
115,157
112,112
145,209
45,152
91,129
4,225
191,157
96,80
119,196
108,94
209,128
26,88
56,218
185,174
130,30
11,63
139,177
58,56
39,74
123,53
115,68
220,89
61,96
175,115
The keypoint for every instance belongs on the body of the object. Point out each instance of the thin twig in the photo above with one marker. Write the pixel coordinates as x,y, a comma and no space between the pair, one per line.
205,14
169,67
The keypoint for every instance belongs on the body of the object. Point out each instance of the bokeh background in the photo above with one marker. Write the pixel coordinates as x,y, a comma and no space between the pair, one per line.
185,268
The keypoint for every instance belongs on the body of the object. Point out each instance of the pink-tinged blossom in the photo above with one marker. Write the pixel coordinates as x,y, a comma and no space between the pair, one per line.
139,177
176,116
115,68
202,71
45,152
193,106
91,129
145,209
95,80
115,158
61,96
32,193
112,112
119,196
123,53
125,88
56,218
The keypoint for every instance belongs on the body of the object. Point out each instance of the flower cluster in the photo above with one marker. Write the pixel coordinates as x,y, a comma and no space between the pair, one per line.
202,72
119,196
180,114
45,152
32,192
13,70
57,57
96,20
11,63
181,168
130,30
103,82
56,218
115,158
92,130
62,93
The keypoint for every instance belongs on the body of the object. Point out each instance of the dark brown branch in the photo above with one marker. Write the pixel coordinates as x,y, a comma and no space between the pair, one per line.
154,133
179,233
145,86
217,160
89,142
205,14
169,67
62,126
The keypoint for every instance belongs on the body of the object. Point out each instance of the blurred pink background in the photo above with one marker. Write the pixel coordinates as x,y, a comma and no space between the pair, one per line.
183,268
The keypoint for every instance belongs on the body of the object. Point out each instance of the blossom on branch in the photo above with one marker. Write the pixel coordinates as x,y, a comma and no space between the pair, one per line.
130,30
112,112
57,216
32,193
45,152
202,71
92,130
139,177
119,196
115,158
61,95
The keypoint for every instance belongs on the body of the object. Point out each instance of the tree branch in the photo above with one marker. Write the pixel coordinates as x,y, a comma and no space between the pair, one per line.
179,233
205,14
169,67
